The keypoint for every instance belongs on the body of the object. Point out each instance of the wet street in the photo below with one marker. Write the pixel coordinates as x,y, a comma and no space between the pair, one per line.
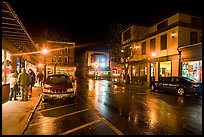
103,108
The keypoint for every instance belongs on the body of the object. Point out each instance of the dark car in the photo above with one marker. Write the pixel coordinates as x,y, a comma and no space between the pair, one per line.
58,86
178,85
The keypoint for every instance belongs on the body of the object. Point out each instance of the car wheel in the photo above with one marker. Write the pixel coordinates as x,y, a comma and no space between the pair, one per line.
180,91
153,88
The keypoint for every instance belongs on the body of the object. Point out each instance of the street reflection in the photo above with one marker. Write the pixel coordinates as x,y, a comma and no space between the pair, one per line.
152,113
180,100
98,90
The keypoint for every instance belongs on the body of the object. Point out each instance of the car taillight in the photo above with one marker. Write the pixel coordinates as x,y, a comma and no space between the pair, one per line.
194,85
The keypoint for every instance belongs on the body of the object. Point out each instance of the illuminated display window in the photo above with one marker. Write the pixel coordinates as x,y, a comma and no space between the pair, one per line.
192,69
165,69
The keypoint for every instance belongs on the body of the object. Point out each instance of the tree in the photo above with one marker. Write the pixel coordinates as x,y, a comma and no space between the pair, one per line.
122,54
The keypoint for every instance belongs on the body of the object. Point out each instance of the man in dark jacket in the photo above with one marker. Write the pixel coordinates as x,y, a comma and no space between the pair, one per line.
32,81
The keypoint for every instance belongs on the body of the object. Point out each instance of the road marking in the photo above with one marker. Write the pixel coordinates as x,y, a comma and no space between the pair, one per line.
76,112
59,107
80,127
117,131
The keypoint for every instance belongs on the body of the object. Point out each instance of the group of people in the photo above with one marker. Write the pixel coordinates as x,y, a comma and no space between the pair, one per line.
23,83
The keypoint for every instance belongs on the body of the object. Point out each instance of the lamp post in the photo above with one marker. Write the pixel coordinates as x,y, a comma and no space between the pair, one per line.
153,67
44,51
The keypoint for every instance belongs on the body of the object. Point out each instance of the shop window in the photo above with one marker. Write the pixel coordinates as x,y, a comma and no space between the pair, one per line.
192,70
165,69
6,73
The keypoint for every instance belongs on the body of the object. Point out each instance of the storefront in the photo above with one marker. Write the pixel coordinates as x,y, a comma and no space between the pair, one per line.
192,69
134,73
165,69
6,66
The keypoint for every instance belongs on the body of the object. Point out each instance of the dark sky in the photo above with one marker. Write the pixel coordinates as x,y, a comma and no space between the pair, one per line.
87,21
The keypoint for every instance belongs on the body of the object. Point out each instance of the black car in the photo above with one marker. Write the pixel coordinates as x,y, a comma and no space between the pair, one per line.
178,85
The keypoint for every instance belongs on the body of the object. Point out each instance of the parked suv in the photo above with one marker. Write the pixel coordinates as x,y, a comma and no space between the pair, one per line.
178,85
58,86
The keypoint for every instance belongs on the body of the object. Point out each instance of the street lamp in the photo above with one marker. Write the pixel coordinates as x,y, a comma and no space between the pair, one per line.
153,61
44,51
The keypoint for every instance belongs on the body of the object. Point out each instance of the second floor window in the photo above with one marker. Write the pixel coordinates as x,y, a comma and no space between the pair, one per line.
66,60
66,50
193,37
152,45
143,48
163,42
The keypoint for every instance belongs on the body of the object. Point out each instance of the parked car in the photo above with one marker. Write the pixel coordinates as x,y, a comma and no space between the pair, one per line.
58,86
178,85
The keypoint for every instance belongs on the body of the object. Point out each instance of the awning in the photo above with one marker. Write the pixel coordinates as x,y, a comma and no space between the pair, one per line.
14,32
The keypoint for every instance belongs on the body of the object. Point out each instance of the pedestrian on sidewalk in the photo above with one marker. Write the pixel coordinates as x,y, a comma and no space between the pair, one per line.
24,82
32,81
13,86
40,77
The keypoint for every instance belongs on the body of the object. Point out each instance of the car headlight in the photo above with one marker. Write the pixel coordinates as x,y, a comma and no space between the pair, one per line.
70,90
46,90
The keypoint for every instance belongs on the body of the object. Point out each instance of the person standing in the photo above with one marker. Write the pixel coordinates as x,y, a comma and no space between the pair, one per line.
32,80
40,77
24,82
13,86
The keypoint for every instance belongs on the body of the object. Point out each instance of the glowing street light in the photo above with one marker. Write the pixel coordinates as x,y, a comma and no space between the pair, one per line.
153,54
44,51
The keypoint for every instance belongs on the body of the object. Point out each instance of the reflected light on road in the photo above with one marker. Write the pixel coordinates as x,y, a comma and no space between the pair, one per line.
152,113
97,89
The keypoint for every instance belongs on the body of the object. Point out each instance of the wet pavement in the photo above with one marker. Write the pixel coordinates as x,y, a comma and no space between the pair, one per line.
106,108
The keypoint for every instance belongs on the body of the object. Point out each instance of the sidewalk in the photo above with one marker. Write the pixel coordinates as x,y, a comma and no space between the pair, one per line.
17,114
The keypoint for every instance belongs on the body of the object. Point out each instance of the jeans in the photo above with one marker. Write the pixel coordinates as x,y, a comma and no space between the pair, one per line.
12,93
24,92
31,88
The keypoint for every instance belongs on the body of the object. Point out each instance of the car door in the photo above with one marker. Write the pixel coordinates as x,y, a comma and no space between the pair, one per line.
162,84
173,84
165,85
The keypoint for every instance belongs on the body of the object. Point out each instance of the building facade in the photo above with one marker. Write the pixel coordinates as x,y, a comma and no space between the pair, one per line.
60,58
171,47
94,64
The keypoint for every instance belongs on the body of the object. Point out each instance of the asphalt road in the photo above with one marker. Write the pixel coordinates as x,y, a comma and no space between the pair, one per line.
102,108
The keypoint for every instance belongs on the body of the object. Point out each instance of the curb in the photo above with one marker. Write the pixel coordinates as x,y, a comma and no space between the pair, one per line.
30,116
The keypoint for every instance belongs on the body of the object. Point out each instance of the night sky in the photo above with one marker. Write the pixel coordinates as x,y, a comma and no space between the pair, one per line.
86,22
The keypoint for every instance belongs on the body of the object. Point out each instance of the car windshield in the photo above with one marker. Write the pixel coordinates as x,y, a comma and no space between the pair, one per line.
190,80
57,79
